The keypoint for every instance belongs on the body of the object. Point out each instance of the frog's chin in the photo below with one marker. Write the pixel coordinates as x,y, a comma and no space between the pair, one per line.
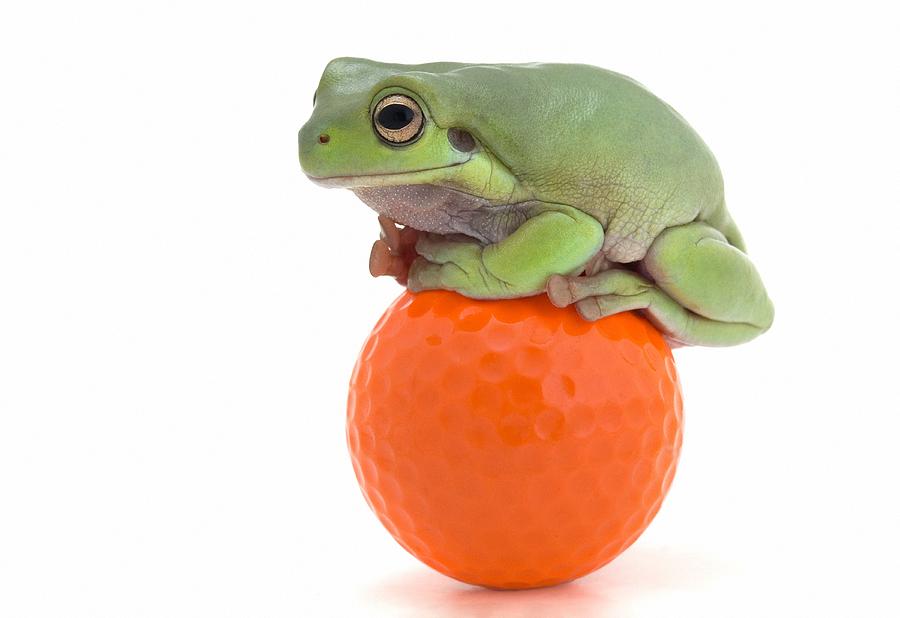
387,179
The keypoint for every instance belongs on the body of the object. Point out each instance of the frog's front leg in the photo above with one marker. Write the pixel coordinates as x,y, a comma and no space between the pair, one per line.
703,290
557,240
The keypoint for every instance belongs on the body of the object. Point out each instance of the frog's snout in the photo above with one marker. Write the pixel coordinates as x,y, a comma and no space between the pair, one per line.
311,139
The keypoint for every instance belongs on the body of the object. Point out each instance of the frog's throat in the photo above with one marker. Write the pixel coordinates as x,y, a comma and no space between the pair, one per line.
441,210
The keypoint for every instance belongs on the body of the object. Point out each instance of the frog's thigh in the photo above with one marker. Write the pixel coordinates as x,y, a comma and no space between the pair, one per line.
696,266
703,291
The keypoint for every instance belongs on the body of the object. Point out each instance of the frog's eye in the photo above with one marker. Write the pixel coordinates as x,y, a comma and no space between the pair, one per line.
398,119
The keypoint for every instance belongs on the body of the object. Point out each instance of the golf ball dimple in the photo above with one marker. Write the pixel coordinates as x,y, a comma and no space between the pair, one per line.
511,444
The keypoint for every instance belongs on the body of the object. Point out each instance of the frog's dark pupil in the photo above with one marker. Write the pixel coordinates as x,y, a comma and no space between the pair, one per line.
395,116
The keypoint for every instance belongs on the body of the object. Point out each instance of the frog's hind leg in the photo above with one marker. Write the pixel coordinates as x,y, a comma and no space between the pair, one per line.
702,291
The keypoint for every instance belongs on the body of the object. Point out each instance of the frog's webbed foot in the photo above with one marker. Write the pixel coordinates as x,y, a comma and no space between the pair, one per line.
394,252
703,290
610,292
453,263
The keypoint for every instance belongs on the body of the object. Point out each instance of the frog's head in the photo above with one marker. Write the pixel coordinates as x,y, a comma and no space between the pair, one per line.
378,125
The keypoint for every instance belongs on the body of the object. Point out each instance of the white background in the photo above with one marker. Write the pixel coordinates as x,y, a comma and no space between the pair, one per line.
180,310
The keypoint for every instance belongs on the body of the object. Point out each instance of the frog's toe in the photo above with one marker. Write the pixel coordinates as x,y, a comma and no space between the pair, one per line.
559,291
425,275
589,308
383,262
390,233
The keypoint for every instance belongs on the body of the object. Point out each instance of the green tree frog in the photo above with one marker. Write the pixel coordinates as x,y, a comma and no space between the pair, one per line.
511,180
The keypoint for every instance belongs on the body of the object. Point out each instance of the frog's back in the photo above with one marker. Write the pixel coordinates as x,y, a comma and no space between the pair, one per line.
587,137
636,164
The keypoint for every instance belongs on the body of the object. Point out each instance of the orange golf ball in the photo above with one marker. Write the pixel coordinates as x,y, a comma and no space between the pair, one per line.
511,444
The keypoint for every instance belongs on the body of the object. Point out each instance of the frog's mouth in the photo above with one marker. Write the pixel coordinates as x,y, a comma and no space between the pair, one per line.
385,179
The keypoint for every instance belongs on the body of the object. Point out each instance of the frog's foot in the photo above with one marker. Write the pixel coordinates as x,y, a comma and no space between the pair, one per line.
703,290
610,292
393,253
561,290
446,263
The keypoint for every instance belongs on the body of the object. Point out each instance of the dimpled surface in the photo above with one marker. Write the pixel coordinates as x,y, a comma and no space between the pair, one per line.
511,444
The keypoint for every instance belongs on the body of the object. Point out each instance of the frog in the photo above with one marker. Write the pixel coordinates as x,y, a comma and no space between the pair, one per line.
503,181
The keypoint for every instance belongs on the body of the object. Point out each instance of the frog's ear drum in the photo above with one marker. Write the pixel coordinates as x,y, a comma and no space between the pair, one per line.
398,119
461,140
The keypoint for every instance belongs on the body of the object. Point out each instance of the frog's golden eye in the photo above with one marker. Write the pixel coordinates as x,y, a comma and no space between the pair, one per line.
398,119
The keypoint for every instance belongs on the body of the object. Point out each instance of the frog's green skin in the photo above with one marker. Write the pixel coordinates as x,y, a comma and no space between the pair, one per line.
581,183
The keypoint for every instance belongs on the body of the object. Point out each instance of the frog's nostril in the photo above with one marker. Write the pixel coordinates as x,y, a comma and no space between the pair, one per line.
324,138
